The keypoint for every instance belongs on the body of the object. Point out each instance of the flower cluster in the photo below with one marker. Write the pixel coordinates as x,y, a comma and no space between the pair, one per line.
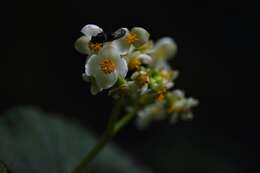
134,67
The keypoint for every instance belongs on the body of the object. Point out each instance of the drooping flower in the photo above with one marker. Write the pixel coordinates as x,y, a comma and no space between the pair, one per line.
164,48
136,59
84,44
134,38
141,79
168,77
179,105
106,67
150,113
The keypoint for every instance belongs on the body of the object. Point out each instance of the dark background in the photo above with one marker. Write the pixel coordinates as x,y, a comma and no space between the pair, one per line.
217,60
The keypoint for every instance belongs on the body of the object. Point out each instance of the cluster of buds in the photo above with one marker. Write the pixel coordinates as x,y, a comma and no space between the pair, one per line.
132,66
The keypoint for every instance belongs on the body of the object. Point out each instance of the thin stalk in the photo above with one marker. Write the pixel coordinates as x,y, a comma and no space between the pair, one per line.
107,135
112,129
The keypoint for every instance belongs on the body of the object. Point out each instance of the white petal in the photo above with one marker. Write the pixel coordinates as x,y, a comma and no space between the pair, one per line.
91,30
160,64
179,93
169,84
81,45
145,58
112,53
165,48
109,51
134,75
122,45
190,102
94,87
91,66
142,35
180,103
144,89
121,67
85,77
187,116
106,80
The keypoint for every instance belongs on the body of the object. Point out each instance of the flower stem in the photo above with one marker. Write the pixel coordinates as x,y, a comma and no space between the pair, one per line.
92,154
113,127
123,121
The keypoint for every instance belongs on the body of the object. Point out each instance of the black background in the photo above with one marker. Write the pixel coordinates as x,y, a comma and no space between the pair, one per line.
217,60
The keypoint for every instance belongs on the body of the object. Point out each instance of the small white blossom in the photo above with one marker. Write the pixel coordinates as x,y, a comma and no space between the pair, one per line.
106,67
164,48
136,59
186,116
150,113
141,79
181,106
83,44
91,30
134,38
168,76
178,93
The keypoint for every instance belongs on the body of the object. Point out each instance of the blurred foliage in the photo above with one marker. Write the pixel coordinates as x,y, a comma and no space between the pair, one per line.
33,141
3,168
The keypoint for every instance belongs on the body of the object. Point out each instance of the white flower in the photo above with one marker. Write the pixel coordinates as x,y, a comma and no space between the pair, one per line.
181,106
91,30
186,116
168,76
164,48
84,44
105,68
141,79
178,93
134,38
136,59
150,113
191,102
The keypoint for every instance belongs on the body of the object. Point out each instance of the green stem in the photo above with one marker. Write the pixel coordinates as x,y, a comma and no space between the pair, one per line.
112,129
94,151
123,121
107,135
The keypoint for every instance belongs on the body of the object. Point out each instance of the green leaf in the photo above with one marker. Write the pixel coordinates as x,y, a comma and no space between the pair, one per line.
34,142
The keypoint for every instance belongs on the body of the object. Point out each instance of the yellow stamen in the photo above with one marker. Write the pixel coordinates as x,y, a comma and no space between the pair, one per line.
95,46
165,74
131,38
142,79
173,108
107,66
134,63
170,109
160,97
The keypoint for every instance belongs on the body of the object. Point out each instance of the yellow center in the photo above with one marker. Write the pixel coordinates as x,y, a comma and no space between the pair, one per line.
142,79
134,63
170,109
95,46
131,38
161,95
165,74
173,108
107,66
